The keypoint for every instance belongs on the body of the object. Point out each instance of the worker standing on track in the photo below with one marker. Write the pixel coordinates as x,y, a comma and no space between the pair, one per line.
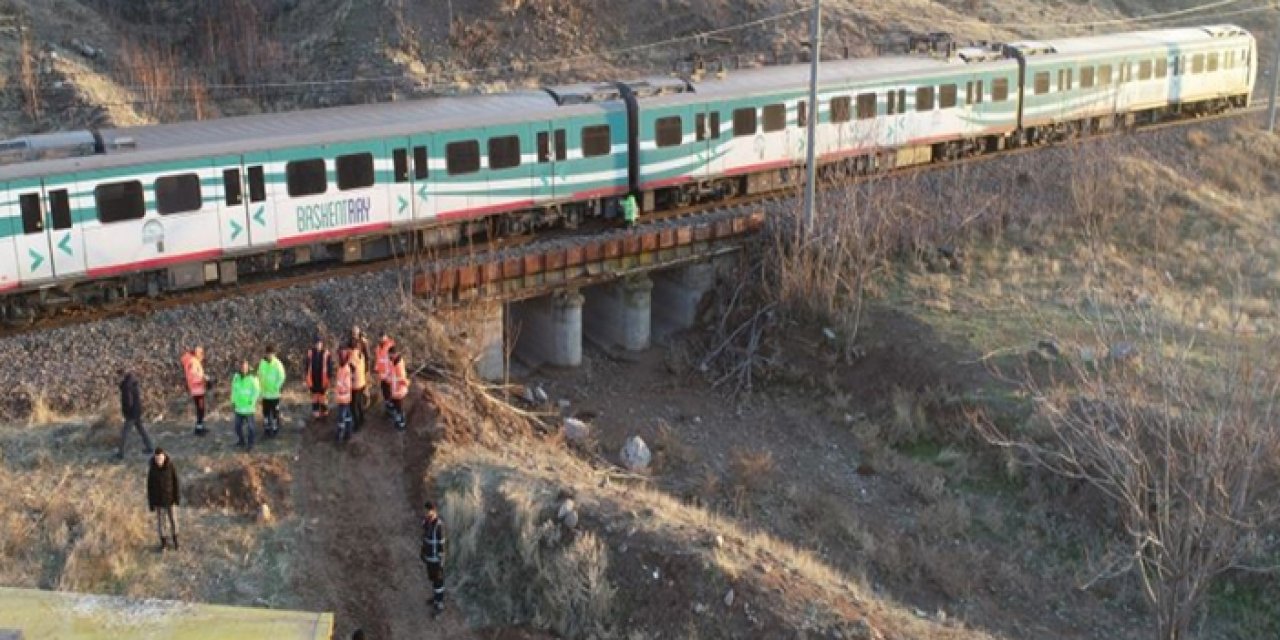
245,392
197,383
319,370
343,381
382,367
432,555
271,375
398,382
630,210
359,346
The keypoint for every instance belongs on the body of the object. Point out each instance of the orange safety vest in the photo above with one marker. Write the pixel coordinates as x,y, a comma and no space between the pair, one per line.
324,368
399,380
357,362
382,366
342,385
194,370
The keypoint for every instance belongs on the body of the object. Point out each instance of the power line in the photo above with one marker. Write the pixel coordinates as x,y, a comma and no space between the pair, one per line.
1154,17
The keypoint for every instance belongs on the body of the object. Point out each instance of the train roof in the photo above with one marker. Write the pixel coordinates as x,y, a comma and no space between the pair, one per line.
1134,40
247,134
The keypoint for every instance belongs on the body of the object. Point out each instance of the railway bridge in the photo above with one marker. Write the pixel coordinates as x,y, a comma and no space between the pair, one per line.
619,289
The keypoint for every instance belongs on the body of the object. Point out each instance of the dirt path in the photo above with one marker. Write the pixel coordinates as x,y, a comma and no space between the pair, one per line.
360,507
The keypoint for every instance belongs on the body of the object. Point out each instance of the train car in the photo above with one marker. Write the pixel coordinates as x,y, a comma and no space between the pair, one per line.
1086,84
746,133
177,206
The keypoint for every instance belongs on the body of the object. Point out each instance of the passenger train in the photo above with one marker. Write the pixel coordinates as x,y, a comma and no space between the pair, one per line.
95,215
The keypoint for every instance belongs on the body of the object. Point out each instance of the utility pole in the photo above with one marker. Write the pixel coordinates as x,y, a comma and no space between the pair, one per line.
1275,81
815,54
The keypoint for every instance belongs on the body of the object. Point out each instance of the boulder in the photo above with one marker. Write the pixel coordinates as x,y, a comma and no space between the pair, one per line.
636,455
576,430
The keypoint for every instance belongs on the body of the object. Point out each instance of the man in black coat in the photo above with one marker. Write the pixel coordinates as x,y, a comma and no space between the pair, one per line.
432,555
163,495
131,409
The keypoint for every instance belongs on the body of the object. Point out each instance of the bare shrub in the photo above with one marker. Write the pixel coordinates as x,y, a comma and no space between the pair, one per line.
751,469
1186,456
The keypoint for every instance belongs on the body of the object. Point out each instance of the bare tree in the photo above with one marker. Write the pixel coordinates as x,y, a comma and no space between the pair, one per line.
1184,452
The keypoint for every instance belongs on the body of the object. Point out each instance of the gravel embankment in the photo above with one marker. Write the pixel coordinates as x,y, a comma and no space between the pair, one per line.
71,370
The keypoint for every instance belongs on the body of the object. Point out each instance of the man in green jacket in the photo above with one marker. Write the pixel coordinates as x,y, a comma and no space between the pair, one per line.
271,376
630,210
244,399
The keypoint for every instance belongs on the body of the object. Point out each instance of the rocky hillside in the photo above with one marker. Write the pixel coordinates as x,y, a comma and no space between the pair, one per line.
75,63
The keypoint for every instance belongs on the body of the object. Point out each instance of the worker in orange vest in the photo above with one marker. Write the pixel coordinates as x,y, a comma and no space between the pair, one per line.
382,367
343,385
359,347
319,370
197,383
398,383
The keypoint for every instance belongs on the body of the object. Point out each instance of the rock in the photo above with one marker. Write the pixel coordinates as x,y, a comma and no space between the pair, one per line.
728,598
829,334
699,608
575,430
1122,351
264,513
635,454
570,520
566,508
719,541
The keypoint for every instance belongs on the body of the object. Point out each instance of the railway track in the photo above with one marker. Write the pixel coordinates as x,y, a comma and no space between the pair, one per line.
507,248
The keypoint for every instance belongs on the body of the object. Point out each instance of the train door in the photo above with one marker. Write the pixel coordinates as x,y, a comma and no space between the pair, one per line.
260,201
66,238
31,237
410,180
233,204
551,154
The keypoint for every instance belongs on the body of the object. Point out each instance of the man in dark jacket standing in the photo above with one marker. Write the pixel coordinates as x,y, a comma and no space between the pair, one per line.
131,410
163,495
432,555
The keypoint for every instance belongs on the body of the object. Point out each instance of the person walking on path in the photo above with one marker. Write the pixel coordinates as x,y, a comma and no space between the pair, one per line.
359,346
343,380
131,411
245,392
382,367
163,495
432,555
398,383
319,371
271,376
197,383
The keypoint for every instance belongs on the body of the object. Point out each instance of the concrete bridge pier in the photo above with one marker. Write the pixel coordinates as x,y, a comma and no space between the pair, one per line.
548,330
620,313
677,296
478,331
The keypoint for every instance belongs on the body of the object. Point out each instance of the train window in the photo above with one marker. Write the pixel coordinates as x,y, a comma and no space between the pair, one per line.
595,141
544,147
668,131
178,194
1064,79
462,157
355,171
891,102
999,89
257,184
802,113
968,92
1213,62
1086,77
232,190
400,164
744,122
562,146
1042,83
32,214
714,124
1177,65
504,152
700,127
924,99
117,201
421,163
60,208
1104,75
946,96
1197,63
775,117
1145,69
866,106
841,109
1162,67
306,177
